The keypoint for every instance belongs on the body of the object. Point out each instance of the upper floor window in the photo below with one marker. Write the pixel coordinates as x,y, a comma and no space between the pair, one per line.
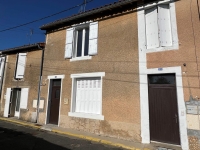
157,29
158,26
81,41
20,66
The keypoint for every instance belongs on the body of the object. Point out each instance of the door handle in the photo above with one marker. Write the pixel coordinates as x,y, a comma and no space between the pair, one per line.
176,118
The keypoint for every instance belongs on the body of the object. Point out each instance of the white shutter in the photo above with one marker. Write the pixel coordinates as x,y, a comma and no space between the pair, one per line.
2,62
164,24
7,102
21,63
24,98
88,96
93,38
69,43
151,28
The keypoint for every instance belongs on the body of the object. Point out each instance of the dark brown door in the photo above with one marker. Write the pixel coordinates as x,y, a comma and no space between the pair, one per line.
55,102
163,111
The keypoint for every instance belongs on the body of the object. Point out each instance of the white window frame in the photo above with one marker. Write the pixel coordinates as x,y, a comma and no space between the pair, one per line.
85,115
142,27
74,50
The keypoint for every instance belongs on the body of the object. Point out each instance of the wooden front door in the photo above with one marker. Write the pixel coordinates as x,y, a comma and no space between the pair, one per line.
55,102
163,110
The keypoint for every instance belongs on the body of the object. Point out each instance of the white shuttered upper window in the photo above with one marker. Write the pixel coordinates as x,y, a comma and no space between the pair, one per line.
152,28
20,66
158,26
81,41
164,23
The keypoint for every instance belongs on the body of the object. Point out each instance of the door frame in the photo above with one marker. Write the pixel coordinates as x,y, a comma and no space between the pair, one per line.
50,78
144,98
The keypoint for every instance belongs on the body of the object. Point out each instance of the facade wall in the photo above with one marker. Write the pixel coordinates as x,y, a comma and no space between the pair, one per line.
30,80
118,58
188,53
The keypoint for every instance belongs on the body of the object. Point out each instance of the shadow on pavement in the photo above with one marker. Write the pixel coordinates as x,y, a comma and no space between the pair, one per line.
15,140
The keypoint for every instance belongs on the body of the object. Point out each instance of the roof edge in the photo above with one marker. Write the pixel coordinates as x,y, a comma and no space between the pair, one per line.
88,13
31,47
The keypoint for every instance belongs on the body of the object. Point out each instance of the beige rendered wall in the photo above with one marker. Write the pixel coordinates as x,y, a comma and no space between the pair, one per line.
188,34
30,80
118,58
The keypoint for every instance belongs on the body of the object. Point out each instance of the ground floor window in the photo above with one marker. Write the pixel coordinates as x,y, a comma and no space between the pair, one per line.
87,95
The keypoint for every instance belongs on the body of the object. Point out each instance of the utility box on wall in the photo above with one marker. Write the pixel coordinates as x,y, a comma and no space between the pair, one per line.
41,104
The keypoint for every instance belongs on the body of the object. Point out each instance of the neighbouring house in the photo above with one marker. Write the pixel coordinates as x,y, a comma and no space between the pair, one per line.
21,81
168,35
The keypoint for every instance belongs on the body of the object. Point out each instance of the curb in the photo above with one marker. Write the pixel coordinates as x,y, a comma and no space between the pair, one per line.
21,123
96,140
77,135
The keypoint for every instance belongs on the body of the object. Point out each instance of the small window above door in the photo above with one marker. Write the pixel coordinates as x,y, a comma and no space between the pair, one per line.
162,79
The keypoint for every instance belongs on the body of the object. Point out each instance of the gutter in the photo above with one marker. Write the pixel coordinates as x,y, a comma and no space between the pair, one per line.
39,85
21,48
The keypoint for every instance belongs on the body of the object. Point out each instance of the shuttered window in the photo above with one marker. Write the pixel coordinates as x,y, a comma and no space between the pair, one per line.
165,32
158,26
20,66
24,98
2,64
88,95
7,102
81,41
69,43
152,28
93,38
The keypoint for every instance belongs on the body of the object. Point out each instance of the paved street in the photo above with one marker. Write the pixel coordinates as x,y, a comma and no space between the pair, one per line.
16,137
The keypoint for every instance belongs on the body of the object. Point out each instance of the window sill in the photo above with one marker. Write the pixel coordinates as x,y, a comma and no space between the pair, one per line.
159,49
81,58
85,115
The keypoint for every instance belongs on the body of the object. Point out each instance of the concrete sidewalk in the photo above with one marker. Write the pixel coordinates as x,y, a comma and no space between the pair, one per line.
87,136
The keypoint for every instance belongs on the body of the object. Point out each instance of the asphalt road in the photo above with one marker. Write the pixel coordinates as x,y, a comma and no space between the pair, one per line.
16,137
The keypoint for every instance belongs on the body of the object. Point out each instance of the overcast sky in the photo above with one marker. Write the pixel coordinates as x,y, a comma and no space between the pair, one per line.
16,12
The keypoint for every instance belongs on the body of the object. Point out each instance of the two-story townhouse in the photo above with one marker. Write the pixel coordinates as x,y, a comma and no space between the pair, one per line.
125,70
168,34
91,72
21,81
